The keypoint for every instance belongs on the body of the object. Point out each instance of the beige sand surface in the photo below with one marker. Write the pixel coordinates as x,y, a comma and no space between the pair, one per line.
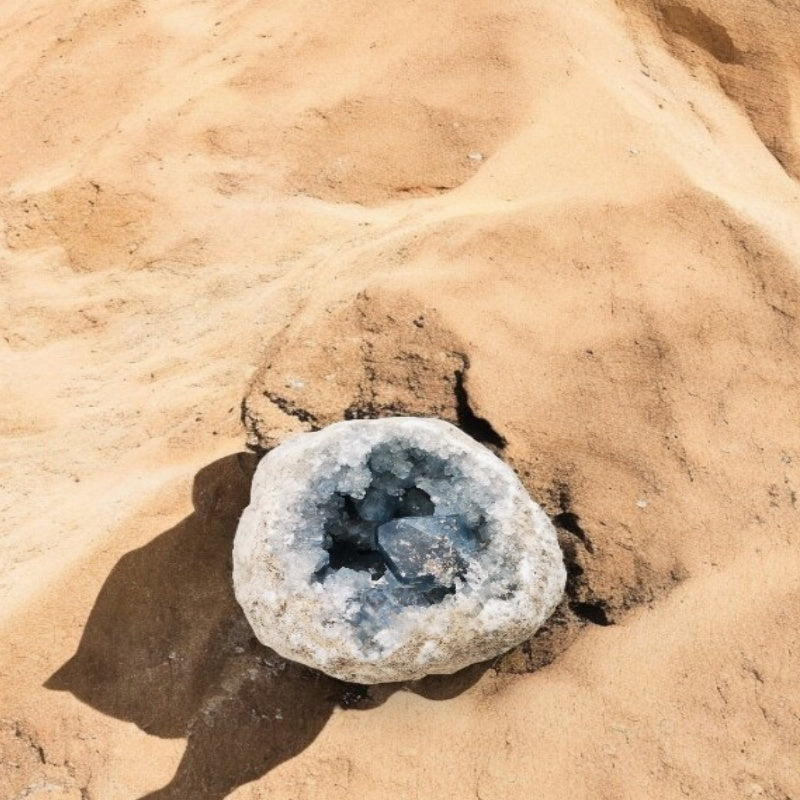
572,227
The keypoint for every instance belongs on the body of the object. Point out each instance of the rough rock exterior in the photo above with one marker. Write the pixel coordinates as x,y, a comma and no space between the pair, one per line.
318,587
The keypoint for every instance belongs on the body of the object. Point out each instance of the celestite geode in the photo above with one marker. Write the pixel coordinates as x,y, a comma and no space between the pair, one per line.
385,550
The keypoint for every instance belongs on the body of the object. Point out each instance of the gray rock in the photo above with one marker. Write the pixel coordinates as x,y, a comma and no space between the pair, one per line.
385,550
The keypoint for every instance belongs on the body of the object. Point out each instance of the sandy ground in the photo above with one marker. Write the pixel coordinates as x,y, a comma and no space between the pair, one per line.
573,228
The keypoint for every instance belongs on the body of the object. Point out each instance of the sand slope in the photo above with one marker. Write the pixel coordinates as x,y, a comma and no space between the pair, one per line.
574,230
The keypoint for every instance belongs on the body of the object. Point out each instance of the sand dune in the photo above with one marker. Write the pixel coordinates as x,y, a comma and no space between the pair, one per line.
573,229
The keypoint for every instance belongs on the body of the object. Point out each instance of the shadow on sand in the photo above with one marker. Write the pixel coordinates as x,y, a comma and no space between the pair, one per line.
167,647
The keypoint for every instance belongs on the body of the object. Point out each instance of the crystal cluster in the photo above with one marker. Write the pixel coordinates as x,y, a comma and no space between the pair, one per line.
382,550
395,526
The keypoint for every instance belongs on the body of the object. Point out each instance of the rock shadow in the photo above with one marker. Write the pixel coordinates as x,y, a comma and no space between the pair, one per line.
166,646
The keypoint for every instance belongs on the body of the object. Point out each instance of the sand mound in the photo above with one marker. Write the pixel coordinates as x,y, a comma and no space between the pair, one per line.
572,230
751,52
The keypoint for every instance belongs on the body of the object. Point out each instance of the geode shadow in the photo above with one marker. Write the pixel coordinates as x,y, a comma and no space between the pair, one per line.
167,647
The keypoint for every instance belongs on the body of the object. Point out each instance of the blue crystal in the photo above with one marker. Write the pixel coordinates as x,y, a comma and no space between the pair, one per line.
426,552
378,505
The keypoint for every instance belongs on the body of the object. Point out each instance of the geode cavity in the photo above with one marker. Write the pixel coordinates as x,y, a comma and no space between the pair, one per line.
385,550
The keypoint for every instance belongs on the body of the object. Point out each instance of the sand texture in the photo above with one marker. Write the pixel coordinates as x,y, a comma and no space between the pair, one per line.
571,228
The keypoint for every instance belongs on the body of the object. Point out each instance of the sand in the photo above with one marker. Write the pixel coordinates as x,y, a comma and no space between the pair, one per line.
572,228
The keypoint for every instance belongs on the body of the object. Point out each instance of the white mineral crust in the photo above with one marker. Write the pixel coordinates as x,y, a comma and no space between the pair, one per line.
357,624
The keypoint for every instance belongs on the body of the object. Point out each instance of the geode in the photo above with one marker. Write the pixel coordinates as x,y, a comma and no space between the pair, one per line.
385,550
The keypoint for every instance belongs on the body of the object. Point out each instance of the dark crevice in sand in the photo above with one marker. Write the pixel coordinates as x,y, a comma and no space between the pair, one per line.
567,519
591,612
570,522
477,427
290,408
